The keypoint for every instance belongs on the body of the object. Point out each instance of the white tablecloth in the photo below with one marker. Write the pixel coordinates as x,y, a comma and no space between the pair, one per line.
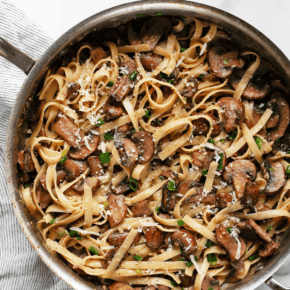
32,25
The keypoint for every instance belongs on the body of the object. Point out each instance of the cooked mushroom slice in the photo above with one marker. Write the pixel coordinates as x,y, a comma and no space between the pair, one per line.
276,177
190,89
121,188
117,239
273,120
124,128
229,243
262,207
203,159
81,253
112,112
201,126
281,107
168,198
221,61
220,37
278,85
43,197
145,146
210,283
283,144
123,86
186,241
25,162
109,257
92,182
133,37
255,90
187,185
127,150
117,209
169,174
186,281
84,151
234,112
222,199
239,172
251,196
154,238
141,209
252,231
72,169
60,177
73,91
120,286
150,60
97,54
95,165
238,268
68,131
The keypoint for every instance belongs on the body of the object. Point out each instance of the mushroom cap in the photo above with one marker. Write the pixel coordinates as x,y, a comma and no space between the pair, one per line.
186,240
201,126
145,146
240,167
127,150
273,120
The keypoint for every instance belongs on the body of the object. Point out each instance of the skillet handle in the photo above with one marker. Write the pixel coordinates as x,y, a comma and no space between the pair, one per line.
275,285
15,56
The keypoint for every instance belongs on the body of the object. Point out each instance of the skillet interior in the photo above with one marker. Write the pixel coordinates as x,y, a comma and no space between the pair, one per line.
243,32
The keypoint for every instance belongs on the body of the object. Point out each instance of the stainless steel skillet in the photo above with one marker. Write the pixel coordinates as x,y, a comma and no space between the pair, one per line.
35,71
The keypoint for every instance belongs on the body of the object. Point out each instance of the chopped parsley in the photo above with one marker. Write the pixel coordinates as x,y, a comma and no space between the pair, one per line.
222,140
278,140
272,169
229,230
200,77
106,203
180,222
208,244
173,283
141,14
195,258
220,162
211,141
171,185
226,61
259,142
181,259
158,13
288,170
262,106
61,234
52,221
161,177
270,228
138,271
233,135
133,184
170,81
147,114
157,209
93,250
110,84
25,185
209,288
180,249
212,259
182,49
100,122
253,257
133,76
79,238
75,234
188,264
108,136
204,172
137,257
105,157
63,160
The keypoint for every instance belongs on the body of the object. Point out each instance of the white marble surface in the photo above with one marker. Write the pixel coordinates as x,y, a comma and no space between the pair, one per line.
269,16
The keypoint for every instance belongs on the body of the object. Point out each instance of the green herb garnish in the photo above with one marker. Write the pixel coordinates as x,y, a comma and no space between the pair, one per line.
209,288
173,283
133,75
138,271
253,257
270,228
170,81
229,230
180,222
110,84
147,114
93,250
180,249
157,209
52,221
159,13
204,172
75,234
133,184
272,169
208,244
288,170
212,259
100,122
171,185
106,203
222,140
211,141
25,185
137,257
220,162
79,238
259,142
226,61
262,106
108,136
200,77
105,157
61,234
233,135
63,160
189,264
161,177
182,49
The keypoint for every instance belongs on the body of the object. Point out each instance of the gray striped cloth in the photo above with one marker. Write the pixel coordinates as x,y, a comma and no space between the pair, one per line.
20,267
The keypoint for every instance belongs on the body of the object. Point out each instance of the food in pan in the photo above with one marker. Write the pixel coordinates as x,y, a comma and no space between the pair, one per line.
157,156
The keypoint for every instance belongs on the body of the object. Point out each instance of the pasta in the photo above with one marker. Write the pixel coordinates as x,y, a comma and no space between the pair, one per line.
159,157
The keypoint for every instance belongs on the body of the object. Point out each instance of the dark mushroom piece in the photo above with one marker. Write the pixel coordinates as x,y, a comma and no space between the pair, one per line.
123,86
201,126
120,286
117,209
97,54
43,198
35,110
145,146
60,177
229,243
273,120
186,281
169,174
274,173
238,268
141,209
256,89
222,199
190,89
124,128
239,172
262,207
73,91
251,195
112,112
109,257
210,283
117,239
121,188
168,198
221,61
92,182
25,162
154,238
84,151
150,61
127,150
234,112
281,107
186,241
253,232
95,165
74,168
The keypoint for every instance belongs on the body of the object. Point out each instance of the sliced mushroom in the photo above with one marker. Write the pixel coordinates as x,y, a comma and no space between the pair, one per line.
117,209
121,188
187,185
123,86
84,151
154,238
60,177
25,162
145,146
73,91
190,89
97,54
142,209
238,268
95,165
150,60
124,128
186,241
256,89
43,197
210,283
222,199
92,182
281,107
262,207
203,159
168,198
186,281
117,239
282,144
112,112
251,196
73,169
127,150
68,131
221,61
273,120
229,243
169,174
239,172
234,112
120,286
201,126
276,177
109,257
